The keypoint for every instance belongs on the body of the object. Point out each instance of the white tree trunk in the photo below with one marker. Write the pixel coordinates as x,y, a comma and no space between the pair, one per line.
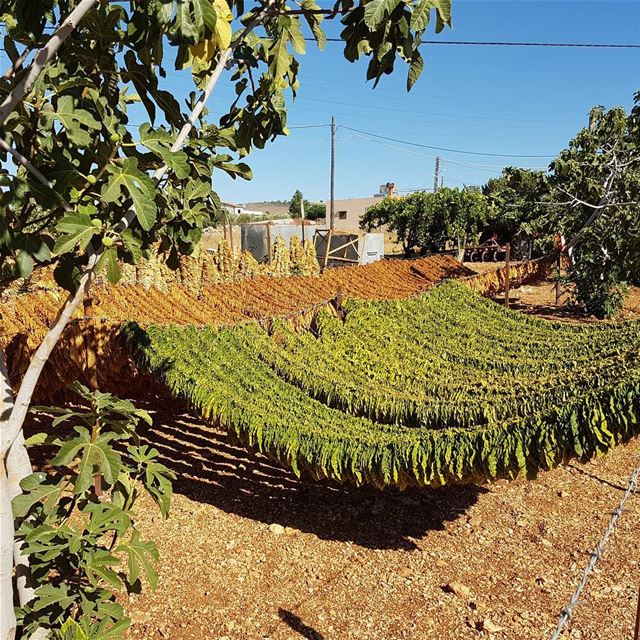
7,616
14,457
43,56
18,468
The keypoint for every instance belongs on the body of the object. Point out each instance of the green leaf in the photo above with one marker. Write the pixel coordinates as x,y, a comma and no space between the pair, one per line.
50,596
98,565
443,9
96,456
297,39
24,262
376,11
138,185
70,630
159,141
75,121
421,15
113,267
415,69
36,488
77,230
105,517
140,556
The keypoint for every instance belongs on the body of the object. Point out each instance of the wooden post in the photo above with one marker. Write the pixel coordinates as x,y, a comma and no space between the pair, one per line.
326,253
269,240
558,279
636,635
507,273
91,358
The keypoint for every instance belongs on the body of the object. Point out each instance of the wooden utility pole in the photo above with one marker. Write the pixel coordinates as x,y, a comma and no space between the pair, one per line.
333,172
507,273
435,174
269,240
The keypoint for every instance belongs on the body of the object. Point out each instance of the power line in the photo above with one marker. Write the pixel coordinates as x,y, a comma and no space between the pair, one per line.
426,146
575,45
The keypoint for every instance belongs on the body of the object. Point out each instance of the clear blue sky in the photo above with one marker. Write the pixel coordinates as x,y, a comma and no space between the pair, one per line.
482,99
485,99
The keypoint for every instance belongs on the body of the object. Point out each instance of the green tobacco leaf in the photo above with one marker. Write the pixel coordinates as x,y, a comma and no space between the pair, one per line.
77,230
140,558
139,187
159,141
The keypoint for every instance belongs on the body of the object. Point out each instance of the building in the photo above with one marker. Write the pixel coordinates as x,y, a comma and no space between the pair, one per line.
349,212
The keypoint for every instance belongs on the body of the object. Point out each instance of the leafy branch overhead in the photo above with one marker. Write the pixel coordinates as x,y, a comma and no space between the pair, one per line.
79,126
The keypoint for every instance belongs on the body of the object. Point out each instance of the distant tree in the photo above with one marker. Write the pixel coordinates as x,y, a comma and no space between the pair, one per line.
312,210
515,200
315,210
596,183
295,204
427,222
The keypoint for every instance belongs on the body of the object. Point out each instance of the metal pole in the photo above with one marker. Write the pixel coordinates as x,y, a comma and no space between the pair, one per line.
435,174
507,269
333,171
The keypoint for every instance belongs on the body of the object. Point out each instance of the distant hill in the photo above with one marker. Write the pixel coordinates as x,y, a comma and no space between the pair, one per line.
278,207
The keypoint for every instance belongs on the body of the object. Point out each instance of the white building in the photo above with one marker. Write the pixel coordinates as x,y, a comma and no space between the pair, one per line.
239,210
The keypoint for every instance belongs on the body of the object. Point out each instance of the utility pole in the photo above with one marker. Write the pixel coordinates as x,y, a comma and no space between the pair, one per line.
333,171
302,217
435,174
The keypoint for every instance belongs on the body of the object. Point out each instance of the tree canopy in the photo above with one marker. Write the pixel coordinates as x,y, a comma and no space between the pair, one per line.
428,221
312,210
596,184
516,198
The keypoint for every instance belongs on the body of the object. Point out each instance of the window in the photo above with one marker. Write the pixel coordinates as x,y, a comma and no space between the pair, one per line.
342,215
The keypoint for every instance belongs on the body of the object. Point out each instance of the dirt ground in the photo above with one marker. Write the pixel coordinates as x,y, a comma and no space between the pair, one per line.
252,553
540,299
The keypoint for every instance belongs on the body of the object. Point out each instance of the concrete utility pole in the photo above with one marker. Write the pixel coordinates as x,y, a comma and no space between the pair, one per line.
435,174
333,171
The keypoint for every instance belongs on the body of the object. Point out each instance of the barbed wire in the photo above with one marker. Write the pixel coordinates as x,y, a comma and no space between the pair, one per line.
596,554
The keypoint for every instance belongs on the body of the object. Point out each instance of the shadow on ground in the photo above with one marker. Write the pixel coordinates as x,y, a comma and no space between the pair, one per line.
296,623
212,469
